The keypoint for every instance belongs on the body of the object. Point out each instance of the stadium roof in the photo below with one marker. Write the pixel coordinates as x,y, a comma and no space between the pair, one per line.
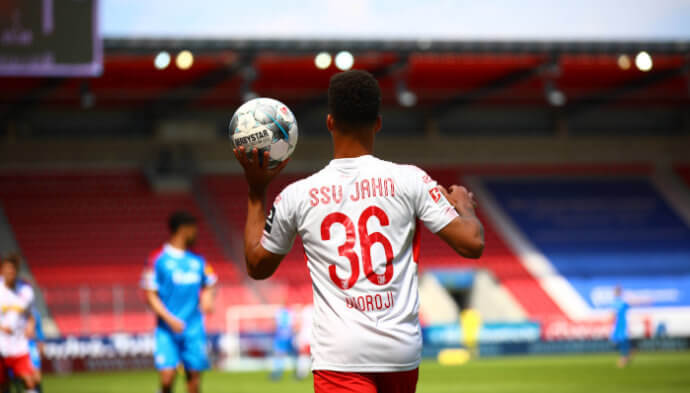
146,45
442,74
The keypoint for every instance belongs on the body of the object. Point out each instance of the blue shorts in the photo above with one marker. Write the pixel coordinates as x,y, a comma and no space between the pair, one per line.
171,349
282,345
35,354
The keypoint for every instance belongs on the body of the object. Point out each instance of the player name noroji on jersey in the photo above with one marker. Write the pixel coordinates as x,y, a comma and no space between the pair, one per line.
376,302
363,189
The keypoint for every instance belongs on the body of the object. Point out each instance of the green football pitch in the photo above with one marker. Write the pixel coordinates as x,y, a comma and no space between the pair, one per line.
649,372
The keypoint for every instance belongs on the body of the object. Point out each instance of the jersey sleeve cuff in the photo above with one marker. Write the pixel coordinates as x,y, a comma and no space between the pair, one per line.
449,214
271,246
211,281
147,283
148,287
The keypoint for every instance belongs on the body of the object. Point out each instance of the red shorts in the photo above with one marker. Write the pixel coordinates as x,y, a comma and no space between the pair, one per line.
19,365
343,382
305,350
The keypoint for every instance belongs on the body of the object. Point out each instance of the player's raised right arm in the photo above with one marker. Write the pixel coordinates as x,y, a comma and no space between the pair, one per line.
260,262
465,233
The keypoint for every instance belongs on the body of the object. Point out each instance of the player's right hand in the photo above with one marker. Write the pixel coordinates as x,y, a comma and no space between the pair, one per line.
6,330
176,325
256,171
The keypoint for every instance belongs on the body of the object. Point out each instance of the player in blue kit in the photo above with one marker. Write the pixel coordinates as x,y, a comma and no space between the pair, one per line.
179,287
619,335
282,341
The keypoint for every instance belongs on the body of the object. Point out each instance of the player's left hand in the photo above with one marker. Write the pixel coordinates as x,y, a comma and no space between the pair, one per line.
256,171
206,308
459,196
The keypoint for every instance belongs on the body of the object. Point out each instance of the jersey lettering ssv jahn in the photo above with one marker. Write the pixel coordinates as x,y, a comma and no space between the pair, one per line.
357,218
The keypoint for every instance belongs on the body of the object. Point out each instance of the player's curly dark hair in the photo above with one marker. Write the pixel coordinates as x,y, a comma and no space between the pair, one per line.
13,258
354,99
178,219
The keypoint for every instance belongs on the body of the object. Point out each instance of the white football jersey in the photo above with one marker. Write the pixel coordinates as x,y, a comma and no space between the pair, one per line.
15,308
357,218
304,336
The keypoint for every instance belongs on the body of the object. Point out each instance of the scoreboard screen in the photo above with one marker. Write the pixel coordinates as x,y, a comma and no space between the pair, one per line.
50,38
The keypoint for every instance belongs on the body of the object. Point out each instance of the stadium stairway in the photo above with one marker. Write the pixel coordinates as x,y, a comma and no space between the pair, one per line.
291,282
8,243
676,182
243,292
498,257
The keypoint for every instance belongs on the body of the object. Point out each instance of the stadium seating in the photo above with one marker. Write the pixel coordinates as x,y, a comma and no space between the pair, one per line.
599,232
497,257
86,234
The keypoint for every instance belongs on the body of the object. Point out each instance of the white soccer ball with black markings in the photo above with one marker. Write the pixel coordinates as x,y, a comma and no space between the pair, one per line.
265,124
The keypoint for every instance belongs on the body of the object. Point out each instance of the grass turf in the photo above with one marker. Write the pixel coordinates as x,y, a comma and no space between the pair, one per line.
649,372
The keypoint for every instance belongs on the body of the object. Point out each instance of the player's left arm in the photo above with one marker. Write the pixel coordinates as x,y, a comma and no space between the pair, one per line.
207,299
465,234
260,262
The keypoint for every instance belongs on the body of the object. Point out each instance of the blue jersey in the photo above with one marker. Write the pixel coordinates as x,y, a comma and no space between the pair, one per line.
620,327
284,324
178,276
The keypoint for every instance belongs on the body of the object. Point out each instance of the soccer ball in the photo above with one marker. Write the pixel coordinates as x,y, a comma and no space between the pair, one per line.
265,124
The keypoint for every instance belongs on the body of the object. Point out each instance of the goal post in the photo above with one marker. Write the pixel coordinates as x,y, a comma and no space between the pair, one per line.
249,336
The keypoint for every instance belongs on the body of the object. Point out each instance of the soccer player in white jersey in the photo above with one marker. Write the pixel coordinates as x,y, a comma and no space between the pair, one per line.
16,324
358,219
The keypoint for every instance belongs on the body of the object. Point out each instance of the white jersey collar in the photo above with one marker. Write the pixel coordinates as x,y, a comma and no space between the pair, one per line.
349,162
173,251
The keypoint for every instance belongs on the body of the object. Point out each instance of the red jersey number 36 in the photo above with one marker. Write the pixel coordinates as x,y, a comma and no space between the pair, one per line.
366,240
